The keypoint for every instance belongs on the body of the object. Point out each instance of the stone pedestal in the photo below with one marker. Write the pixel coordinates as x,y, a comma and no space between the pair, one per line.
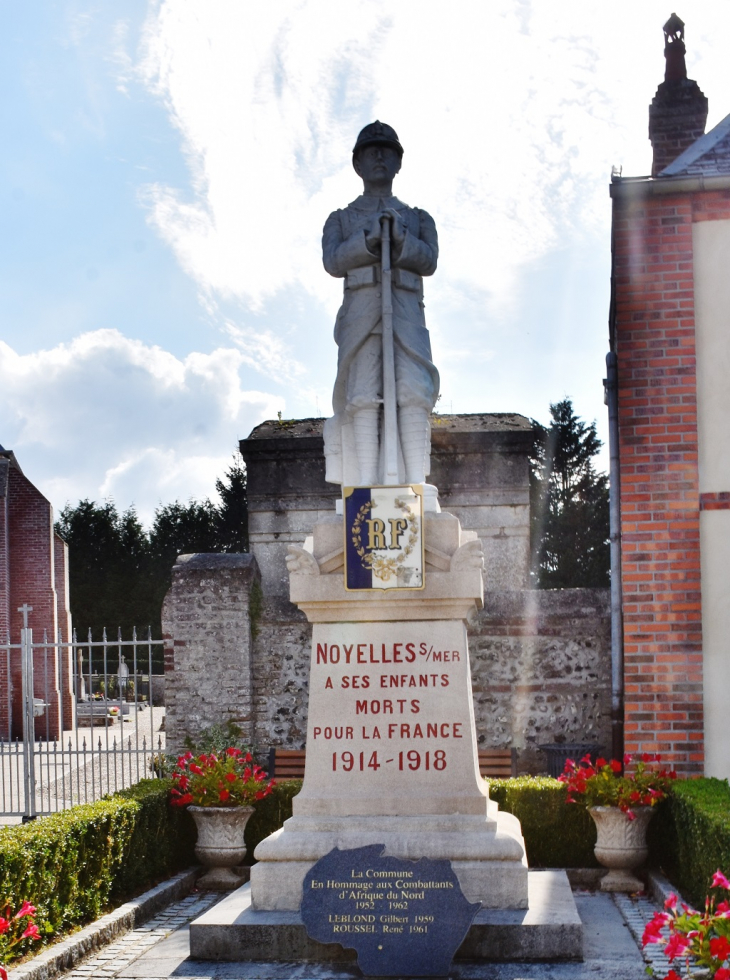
391,746
480,463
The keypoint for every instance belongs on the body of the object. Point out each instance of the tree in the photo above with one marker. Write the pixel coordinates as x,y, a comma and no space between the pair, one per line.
119,574
107,560
569,505
232,519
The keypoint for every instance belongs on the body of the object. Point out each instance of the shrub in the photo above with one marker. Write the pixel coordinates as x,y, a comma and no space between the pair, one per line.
689,839
270,814
216,739
75,865
557,834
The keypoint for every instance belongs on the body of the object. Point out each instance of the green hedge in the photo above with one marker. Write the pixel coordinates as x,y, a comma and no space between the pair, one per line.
271,812
76,865
557,834
689,838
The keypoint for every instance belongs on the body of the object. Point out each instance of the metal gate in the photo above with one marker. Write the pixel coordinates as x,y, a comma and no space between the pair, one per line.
78,719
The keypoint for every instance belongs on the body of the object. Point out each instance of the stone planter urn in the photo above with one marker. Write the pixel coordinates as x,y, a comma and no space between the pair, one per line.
220,845
621,845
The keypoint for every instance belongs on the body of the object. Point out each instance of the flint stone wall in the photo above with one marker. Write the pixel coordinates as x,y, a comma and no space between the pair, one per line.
541,669
206,628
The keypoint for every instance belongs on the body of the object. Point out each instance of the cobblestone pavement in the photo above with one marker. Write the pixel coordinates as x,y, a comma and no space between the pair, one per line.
117,955
158,950
636,911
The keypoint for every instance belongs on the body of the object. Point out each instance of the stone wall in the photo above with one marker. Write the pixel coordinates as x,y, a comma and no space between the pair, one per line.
541,670
541,665
206,627
480,463
281,675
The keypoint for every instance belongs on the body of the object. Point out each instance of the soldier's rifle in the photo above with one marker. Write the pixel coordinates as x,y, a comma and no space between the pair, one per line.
390,410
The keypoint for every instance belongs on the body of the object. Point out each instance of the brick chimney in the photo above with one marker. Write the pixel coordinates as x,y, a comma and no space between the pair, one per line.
678,112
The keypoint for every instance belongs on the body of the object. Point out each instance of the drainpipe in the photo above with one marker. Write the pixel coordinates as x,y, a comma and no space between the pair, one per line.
614,477
617,620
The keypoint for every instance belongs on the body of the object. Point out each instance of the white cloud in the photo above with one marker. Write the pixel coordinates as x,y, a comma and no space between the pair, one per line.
106,416
511,114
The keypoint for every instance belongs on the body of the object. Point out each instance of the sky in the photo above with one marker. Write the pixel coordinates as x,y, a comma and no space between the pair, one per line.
167,168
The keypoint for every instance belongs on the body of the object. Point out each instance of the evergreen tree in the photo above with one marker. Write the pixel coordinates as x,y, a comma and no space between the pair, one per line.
107,556
119,574
232,520
569,505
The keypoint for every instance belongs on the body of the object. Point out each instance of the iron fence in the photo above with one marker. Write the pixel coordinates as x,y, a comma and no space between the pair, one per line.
78,719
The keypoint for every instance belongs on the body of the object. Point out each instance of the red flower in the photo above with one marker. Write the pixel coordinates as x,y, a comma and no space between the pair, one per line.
722,974
31,932
25,909
224,795
231,777
719,948
4,925
719,880
616,766
233,752
194,767
600,762
677,945
627,759
3,973
672,975
671,902
653,928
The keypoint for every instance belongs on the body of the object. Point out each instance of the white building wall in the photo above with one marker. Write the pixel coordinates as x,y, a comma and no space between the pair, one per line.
711,241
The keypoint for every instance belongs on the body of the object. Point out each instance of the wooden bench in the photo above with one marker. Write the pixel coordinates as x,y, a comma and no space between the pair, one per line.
498,763
286,763
493,763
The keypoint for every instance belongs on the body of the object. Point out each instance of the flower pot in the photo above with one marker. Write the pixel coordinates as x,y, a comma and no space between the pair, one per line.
621,845
220,845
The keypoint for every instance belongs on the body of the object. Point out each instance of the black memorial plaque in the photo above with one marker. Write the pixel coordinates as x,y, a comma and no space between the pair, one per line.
403,918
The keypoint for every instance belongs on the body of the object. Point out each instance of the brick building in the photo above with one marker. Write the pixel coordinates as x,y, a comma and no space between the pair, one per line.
670,320
33,570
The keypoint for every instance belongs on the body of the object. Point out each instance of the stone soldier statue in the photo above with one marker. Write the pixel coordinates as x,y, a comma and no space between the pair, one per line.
351,246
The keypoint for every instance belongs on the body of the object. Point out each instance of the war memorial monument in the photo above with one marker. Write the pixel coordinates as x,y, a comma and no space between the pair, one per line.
392,800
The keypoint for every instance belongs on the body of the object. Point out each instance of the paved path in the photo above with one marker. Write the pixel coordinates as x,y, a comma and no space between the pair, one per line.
159,950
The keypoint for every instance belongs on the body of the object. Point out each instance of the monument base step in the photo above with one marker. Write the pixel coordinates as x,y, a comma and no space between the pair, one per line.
549,929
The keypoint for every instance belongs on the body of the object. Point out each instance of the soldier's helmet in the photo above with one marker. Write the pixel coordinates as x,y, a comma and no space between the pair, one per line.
377,134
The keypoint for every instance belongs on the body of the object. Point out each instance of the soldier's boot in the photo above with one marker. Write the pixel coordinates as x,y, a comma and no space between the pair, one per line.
415,440
365,422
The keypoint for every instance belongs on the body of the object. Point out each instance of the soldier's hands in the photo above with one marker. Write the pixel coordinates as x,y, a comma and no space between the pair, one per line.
397,228
372,234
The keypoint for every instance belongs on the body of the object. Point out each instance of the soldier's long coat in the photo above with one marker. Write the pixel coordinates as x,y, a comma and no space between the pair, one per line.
346,255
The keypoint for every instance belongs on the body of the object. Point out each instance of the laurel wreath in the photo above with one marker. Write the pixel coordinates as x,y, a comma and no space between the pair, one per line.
383,568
